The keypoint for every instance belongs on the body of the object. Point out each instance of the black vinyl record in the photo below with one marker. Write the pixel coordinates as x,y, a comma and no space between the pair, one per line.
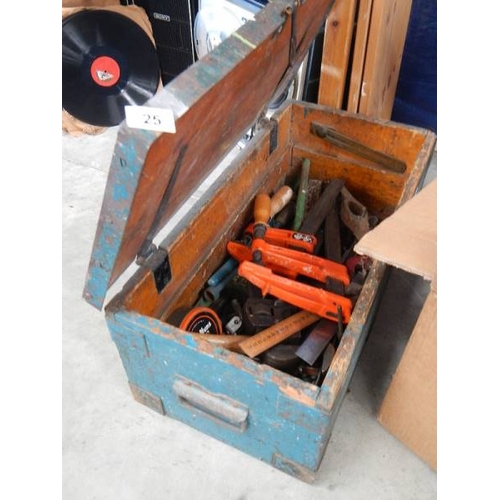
108,62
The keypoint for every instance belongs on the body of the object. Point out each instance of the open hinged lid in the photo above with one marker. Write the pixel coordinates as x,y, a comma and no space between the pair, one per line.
214,102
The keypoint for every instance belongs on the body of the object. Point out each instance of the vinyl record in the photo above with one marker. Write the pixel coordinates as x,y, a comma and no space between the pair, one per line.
108,62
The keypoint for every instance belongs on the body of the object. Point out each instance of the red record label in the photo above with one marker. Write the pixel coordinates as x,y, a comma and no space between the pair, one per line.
105,71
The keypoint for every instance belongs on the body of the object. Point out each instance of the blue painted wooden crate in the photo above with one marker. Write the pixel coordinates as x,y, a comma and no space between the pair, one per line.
262,411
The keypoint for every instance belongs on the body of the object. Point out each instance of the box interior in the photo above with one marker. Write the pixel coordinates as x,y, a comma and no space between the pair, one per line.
200,247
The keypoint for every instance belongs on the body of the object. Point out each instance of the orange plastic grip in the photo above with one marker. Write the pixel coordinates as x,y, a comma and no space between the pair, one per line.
309,298
262,208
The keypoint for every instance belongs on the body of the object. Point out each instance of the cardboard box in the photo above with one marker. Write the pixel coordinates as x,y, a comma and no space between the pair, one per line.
407,240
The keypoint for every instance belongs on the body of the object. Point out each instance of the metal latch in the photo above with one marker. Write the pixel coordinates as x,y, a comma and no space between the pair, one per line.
159,264
149,256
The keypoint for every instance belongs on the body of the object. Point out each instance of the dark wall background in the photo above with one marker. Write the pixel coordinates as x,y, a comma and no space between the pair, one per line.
416,93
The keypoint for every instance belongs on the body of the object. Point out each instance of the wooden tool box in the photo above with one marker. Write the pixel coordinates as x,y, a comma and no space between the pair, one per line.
262,411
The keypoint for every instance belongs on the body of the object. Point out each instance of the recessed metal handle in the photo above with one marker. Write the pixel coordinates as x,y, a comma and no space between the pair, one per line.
216,406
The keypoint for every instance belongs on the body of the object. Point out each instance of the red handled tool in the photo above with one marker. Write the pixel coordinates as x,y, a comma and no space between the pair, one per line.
321,302
288,262
287,239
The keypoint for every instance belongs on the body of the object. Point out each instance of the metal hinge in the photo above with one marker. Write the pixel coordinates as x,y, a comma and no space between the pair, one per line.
292,13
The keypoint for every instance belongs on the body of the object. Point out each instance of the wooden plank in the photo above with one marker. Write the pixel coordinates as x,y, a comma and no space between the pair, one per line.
409,409
358,59
336,52
386,41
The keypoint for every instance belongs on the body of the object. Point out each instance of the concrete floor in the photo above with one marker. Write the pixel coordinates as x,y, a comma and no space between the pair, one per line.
115,448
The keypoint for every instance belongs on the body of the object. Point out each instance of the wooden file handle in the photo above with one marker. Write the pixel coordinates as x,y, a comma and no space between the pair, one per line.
262,208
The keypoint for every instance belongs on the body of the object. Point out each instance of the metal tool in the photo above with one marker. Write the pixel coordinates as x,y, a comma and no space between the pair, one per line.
316,341
354,214
286,261
234,324
379,159
322,207
331,239
283,218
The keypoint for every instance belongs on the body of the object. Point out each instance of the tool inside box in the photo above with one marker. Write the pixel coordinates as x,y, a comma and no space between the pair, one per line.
274,158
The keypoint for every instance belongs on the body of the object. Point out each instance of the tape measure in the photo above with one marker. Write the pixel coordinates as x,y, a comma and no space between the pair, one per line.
202,320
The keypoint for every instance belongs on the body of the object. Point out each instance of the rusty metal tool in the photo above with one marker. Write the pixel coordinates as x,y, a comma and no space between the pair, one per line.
322,207
321,302
260,342
378,158
328,354
354,214
333,251
331,239
284,217
287,261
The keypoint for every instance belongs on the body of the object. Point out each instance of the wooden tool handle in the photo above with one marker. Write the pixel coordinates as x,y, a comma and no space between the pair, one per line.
260,342
262,208
280,199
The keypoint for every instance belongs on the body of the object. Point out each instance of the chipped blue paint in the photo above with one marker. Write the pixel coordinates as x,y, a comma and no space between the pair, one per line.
120,193
276,425
126,165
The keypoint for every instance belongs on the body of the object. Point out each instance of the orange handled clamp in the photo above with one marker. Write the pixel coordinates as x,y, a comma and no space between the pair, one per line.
286,261
290,262
243,253
321,302
287,239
